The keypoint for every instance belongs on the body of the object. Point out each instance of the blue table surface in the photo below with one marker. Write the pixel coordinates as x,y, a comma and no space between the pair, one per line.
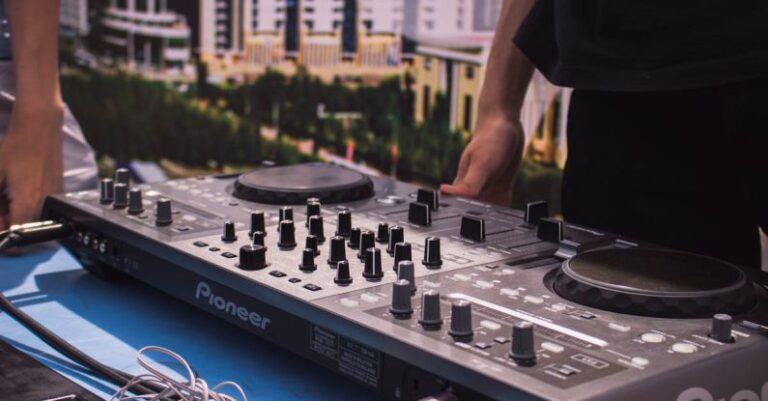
111,321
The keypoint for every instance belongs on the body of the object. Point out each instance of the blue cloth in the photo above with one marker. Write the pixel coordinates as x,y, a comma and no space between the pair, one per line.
111,321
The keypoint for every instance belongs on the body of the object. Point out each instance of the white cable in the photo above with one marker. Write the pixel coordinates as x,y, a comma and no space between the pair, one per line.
190,388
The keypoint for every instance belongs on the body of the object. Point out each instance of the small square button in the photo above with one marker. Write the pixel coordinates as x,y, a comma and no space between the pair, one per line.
277,273
482,345
200,244
294,280
228,255
501,340
312,287
214,249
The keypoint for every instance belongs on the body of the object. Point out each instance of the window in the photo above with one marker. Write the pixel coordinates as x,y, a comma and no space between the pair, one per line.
428,63
141,5
309,24
469,72
425,101
468,112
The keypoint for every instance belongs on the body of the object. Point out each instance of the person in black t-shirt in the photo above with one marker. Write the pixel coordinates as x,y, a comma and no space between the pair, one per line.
665,128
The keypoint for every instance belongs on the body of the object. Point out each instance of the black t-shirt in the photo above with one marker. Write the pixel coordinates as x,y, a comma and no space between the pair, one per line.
646,45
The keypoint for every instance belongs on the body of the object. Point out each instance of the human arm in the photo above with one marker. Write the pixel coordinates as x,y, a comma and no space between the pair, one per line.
31,164
489,163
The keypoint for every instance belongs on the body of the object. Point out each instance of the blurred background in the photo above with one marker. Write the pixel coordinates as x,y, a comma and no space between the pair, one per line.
172,88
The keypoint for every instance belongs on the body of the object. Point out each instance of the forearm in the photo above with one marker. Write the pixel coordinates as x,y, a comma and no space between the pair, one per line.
508,70
34,40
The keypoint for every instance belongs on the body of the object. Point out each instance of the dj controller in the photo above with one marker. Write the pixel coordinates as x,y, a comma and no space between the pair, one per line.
413,294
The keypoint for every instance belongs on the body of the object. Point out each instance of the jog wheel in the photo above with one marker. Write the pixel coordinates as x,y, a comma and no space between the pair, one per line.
293,185
655,282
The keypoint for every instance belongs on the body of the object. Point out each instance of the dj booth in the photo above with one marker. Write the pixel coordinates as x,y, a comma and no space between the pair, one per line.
403,293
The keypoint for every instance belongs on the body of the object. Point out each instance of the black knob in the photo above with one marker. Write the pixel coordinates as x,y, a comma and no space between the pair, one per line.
342,273
402,252
308,261
382,233
431,317
401,299
229,234
550,230
258,238
419,213
336,251
722,325
428,197
287,235
135,203
354,238
311,243
523,350
367,240
313,209
121,196
432,258
252,257
405,271
535,211
284,213
123,176
316,228
461,320
373,271
344,223
257,223
106,191
163,212
396,235
472,228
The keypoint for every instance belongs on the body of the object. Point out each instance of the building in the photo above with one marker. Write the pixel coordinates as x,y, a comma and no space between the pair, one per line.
146,35
74,18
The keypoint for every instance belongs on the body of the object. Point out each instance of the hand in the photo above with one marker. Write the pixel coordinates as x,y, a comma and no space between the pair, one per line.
31,163
489,163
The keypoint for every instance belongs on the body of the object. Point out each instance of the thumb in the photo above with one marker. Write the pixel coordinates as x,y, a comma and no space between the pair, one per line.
459,188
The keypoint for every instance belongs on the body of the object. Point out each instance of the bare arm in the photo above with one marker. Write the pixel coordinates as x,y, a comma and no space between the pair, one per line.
489,163
30,153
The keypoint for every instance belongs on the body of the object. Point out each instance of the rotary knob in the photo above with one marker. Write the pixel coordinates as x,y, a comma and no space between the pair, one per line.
252,257
523,350
121,196
382,233
367,240
311,243
722,325
106,191
419,213
432,258
461,320
287,235
135,203
396,236
313,209
431,317
163,212
123,176
402,252
229,234
342,273
354,238
405,271
336,251
373,271
258,238
344,223
257,223
284,213
316,228
401,299
308,261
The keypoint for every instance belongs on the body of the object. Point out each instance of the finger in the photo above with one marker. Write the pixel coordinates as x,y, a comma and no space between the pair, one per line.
459,189
21,211
464,161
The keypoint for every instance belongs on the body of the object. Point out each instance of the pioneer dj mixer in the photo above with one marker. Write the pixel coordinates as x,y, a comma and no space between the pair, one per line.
411,293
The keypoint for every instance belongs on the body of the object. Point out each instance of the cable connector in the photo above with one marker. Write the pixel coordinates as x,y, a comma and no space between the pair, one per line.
34,233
